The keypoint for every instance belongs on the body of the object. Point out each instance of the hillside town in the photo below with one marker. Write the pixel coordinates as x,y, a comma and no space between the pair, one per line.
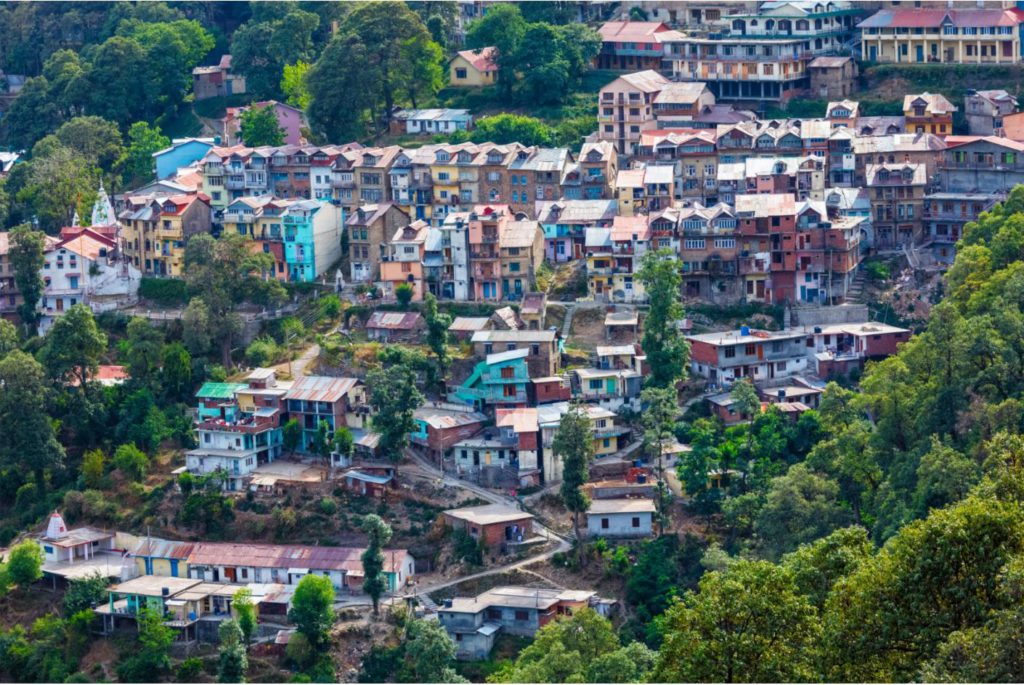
484,341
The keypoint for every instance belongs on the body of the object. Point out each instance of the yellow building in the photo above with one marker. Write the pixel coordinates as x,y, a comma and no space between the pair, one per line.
629,191
473,68
155,556
156,228
948,36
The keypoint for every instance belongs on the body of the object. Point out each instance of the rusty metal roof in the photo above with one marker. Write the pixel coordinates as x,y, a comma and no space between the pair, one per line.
321,388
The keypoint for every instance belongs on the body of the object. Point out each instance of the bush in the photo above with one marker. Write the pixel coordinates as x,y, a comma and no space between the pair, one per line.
403,293
328,506
262,352
330,307
165,291
188,670
131,461
877,271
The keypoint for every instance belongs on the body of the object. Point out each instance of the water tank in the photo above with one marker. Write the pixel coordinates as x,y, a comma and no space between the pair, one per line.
638,463
447,604
782,395
641,478
165,591
744,330
817,330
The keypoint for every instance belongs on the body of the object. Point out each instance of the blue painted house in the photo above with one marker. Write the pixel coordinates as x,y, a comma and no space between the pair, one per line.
500,380
182,152
312,239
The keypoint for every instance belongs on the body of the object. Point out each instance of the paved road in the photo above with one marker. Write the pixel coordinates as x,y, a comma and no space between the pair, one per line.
428,470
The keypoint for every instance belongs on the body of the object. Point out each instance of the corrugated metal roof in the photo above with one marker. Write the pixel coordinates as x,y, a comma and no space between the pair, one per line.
219,391
320,388
394,321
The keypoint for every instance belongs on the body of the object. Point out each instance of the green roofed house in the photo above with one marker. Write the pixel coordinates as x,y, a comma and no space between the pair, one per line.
213,396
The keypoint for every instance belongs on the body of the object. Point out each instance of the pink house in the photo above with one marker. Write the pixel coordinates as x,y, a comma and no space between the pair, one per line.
291,119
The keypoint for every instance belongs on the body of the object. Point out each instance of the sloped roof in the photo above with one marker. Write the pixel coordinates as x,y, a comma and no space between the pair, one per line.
320,388
934,18
935,103
482,59
394,321
469,323
488,514
629,31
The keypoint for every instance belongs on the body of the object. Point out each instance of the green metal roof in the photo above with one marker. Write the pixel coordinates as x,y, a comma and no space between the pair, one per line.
222,391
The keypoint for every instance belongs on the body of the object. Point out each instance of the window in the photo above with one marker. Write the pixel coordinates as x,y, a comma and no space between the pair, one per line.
750,350
604,524
636,521
460,72
730,352
522,615
508,372
694,244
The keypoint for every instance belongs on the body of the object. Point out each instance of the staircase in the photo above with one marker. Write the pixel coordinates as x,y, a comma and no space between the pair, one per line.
853,295
429,605
567,322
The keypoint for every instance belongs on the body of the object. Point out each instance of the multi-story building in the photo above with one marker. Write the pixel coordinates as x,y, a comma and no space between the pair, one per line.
565,224
500,380
626,107
312,239
86,268
545,358
985,109
536,176
709,253
259,218
832,77
900,148
693,156
762,55
370,174
155,229
677,105
10,298
521,250
455,280
613,258
608,435
598,165
336,401
897,202
631,45
405,263
948,35
843,113
484,238
928,113
370,227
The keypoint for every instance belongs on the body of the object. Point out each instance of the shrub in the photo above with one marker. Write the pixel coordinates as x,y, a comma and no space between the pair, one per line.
877,271
328,506
165,291
131,461
403,293
262,352
188,670
330,307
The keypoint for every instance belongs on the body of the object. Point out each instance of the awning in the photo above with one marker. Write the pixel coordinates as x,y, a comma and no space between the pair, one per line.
298,571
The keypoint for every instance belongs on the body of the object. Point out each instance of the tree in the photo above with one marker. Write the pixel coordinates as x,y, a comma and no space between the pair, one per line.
176,374
8,337
819,565
26,256
935,576
393,393
131,461
94,138
344,442
508,128
25,563
629,664
232,661
312,609
93,467
944,476
245,613
196,333
745,399
403,293
574,445
667,351
143,141
145,350
60,182
291,435
33,114
27,441
340,97
260,127
799,507
748,623
378,534
73,346
293,84
322,441
430,653
264,45
437,333
660,410
85,593
563,650
151,658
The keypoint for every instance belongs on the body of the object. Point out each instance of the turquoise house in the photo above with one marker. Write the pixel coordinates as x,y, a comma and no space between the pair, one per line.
500,380
312,239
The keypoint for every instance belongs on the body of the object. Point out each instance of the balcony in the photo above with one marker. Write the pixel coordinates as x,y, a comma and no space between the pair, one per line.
234,182
485,272
342,183
488,237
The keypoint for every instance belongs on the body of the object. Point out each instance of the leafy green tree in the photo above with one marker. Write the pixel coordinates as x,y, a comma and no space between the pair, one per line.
312,609
151,656
508,128
245,613
60,182
936,576
263,46
94,138
503,27
563,649
437,333
748,623
944,476
143,141
33,114
799,507
232,659
25,563
663,568
260,127
141,422
344,442
403,293
393,393
629,664
574,445
291,435
27,258
293,84
322,441
340,97
8,337
74,345
93,468
660,411
817,566
196,328
745,399
176,371
430,653
378,534
85,593
145,345
131,461
667,351
27,441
